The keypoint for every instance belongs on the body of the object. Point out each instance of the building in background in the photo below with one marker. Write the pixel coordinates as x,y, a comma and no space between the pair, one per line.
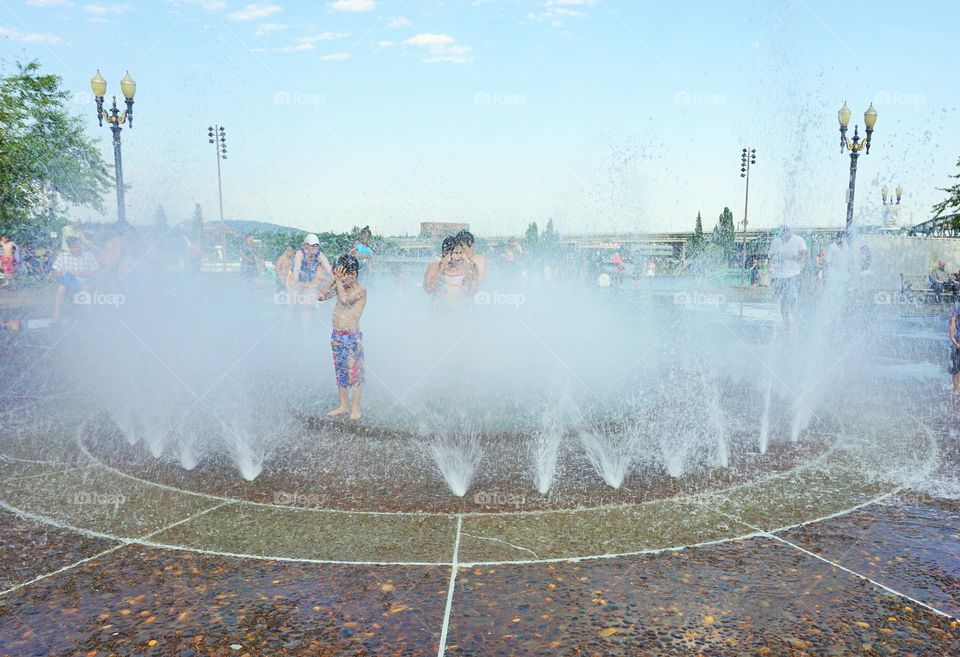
440,229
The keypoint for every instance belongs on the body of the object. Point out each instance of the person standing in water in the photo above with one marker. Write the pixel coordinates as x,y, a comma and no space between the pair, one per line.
283,266
309,267
954,332
346,341
8,261
453,280
466,240
363,252
788,254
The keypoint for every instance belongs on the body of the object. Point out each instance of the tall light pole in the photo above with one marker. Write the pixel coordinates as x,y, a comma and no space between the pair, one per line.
116,119
218,136
748,157
855,146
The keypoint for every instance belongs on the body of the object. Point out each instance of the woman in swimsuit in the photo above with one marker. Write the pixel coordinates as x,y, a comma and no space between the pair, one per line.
453,280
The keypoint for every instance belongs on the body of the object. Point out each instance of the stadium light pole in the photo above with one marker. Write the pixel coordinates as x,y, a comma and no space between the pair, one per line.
217,135
748,157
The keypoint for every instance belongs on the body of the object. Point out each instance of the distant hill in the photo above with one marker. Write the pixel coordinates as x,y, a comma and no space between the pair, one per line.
242,227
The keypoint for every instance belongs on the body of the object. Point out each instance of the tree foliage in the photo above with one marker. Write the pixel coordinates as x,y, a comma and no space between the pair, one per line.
531,240
695,245
724,237
47,160
951,204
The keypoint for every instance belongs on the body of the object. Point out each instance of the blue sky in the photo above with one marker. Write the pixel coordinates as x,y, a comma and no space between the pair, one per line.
603,115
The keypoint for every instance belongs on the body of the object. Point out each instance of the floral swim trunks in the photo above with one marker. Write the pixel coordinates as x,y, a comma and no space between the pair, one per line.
347,347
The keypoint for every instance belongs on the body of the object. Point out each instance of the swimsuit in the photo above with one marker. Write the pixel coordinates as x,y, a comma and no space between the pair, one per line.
308,270
450,294
347,347
8,264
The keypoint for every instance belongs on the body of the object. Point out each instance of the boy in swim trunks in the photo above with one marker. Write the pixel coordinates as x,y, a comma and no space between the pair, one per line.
346,340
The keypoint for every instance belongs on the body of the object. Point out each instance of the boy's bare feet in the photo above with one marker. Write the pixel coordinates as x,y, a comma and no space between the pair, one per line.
339,410
356,415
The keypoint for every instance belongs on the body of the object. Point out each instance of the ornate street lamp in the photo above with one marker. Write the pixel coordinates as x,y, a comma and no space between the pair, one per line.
748,157
116,119
855,146
891,209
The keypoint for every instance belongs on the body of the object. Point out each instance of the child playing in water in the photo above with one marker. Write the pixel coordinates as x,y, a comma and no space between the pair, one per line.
346,340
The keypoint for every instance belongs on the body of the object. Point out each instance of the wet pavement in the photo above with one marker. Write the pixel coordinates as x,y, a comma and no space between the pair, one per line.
819,555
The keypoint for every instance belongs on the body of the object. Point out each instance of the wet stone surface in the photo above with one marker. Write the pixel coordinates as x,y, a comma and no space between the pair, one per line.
149,602
30,549
757,597
910,543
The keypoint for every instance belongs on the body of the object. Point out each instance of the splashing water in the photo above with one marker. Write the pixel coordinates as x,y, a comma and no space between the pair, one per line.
611,456
546,447
456,458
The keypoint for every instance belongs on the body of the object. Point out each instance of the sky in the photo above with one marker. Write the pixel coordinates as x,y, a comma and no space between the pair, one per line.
607,116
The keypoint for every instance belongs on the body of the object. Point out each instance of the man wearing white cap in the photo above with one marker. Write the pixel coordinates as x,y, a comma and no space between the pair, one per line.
788,255
310,267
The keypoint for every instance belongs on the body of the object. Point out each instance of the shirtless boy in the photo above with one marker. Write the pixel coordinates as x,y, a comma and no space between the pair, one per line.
346,341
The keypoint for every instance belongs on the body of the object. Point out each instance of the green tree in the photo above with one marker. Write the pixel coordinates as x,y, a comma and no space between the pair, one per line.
47,161
951,204
695,245
531,240
724,237
550,239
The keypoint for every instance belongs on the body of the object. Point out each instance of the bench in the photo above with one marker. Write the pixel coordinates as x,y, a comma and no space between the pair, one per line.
917,287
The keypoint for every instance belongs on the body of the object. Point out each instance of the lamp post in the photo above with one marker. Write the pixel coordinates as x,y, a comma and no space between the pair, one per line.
116,119
748,157
855,146
217,136
891,210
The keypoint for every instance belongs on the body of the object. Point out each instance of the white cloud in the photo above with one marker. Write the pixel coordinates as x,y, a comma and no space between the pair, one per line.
103,10
352,5
428,39
397,21
253,12
209,5
335,57
441,48
49,3
29,37
555,11
386,44
300,47
323,36
452,54
267,28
